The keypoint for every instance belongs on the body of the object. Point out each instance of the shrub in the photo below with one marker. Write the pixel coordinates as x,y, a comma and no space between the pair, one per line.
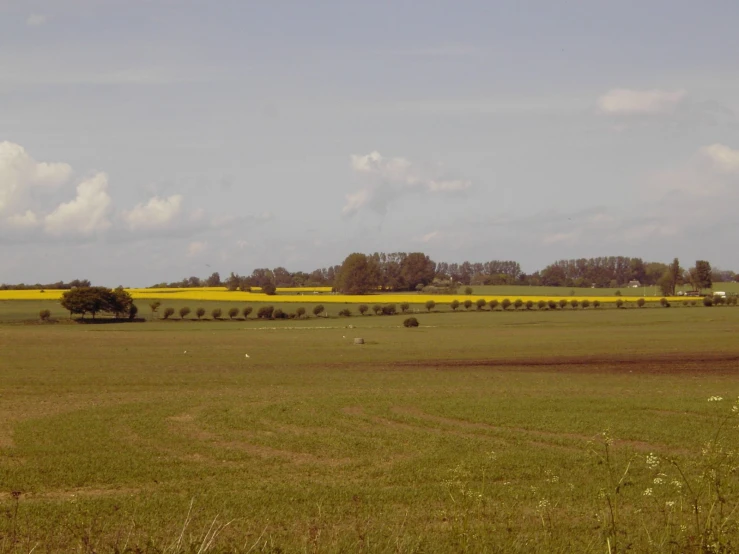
233,312
430,304
265,312
269,289
493,304
481,303
200,312
467,304
454,305
505,304
168,312
708,301
279,314
693,302
44,315
216,313
552,305
377,308
719,300
318,310
529,304
619,303
363,308
468,290
184,312
586,303
542,304
562,303
617,293
518,303
574,303
641,302
404,307
300,312
246,311
596,303
389,309
410,322
731,301
346,312
132,311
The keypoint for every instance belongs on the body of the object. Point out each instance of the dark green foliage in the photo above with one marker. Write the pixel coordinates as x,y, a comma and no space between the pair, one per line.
481,303
505,304
619,303
518,303
541,304
93,300
216,313
154,306
467,304
318,310
363,309
44,315
468,290
389,309
494,303
377,308
132,311
404,307
596,303
641,302
574,303
346,312
529,304
552,305
233,312
200,312
704,279
430,305
359,274
184,312
246,311
454,305
269,288
300,312
279,314
168,312
265,312
410,322
586,303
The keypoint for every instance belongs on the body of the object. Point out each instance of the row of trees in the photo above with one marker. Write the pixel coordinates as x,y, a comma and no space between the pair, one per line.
94,300
59,285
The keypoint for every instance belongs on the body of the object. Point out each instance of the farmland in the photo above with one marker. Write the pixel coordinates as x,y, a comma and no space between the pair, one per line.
474,432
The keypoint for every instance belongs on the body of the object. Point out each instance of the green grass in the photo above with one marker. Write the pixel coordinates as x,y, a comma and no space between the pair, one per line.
313,444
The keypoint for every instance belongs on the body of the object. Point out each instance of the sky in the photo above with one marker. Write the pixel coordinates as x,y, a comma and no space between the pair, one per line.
150,140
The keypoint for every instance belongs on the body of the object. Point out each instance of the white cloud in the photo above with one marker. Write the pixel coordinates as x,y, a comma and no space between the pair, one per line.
19,172
428,237
26,220
561,237
196,247
155,214
84,215
396,177
639,102
37,19
722,157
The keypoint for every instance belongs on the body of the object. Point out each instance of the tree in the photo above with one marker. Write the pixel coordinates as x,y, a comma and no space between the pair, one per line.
493,303
118,302
467,304
562,303
214,280
318,310
410,322
184,312
216,313
233,312
300,312
586,303
358,275
154,306
552,305
417,269
541,304
481,303
641,302
346,312
574,303
596,303
389,309
363,309
377,308
246,311
468,290
82,300
619,303
44,315
703,274
404,307
169,311
518,303
430,305
269,289
132,311
266,312
454,305
708,301
200,312
529,304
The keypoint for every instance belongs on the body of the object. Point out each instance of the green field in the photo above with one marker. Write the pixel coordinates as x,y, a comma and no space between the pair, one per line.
475,432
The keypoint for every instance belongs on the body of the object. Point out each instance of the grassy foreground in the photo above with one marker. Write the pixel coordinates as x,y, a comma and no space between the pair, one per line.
476,432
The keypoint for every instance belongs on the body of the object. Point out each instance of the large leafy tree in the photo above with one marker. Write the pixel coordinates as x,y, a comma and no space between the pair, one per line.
93,300
417,269
704,279
359,274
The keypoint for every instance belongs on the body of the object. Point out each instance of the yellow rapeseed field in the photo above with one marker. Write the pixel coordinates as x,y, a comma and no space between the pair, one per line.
306,295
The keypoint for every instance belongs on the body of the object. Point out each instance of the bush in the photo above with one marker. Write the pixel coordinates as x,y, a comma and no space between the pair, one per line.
619,303
493,304
467,304
346,312
562,303
617,293
377,308
132,311
430,304
719,300
574,303
585,304
505,304
596,303
663,302
279,314
216,313
468,290
454,305
529,304
552,305
246,311
44,315
518,303
389,309
410,322
269,289
300,312
641,302
481,303
200,312
404,307
318,310
266,312
708,301
233,312
168,312
541,304
363,308
184,312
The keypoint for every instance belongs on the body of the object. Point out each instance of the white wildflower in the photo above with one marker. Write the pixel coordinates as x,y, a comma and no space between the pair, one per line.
652,461
648,492
659,481
715,399
677,484
543,504
670,503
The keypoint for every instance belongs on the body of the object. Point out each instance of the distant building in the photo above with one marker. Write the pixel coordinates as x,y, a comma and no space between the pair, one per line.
634,284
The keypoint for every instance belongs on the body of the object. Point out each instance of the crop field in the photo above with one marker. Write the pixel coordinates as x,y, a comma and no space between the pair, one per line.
531,431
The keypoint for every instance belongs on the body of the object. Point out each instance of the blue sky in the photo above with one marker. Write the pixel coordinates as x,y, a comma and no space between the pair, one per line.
143,141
